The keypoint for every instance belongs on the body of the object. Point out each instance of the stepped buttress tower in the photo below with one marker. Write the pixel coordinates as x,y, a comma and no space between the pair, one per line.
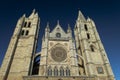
18,59
92,58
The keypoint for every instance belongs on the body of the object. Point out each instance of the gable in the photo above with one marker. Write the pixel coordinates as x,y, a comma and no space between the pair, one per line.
58,31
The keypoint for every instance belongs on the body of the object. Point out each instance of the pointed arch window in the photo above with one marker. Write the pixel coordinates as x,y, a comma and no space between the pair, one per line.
49,71
29,24
55,71
27,32
25,24
86,28
67,71
61,71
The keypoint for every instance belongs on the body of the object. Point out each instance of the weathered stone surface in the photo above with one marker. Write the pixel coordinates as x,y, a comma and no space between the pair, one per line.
21,48
61,57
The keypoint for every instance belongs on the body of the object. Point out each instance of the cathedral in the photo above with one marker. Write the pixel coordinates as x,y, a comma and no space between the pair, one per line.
62,56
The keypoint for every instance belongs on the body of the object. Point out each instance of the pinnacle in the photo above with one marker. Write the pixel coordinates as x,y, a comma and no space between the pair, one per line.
58,22
33,10
47,25
69,27
80,16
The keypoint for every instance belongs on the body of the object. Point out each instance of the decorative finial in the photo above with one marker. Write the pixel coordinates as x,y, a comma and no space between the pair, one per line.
33,10
79,13
36,14
47,25
88,19
23,15
69,28
57,22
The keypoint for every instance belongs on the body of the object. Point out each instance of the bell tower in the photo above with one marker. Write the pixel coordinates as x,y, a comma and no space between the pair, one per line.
92,58
18,59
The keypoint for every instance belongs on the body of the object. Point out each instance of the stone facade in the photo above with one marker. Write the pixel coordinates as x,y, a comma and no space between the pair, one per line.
58,51
61,58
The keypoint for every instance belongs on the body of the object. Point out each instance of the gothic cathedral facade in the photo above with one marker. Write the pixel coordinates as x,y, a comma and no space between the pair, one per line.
62,56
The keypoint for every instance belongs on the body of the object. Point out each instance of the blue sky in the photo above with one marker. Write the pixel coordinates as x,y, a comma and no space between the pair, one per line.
105,13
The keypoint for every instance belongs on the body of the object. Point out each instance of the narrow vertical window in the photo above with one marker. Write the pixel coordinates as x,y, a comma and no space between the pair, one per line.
55,71
86,27
29,24
67,71
61,71
27,32
92,48
49,71
88,36
22,33
25,24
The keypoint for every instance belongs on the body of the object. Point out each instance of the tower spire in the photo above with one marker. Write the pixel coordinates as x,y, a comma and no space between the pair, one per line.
80,16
